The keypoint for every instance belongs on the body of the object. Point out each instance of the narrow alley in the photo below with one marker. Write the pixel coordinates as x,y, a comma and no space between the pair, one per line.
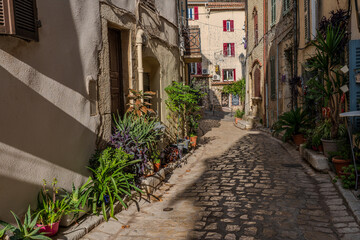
238,185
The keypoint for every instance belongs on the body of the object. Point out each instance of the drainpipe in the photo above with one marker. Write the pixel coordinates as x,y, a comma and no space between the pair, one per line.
139,43
295,40
264,60
277,81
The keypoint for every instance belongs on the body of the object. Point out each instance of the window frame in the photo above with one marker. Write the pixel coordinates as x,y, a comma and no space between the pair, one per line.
286,6
273,12
232,70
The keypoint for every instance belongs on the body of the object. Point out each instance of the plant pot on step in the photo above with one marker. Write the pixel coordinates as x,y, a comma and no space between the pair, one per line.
157,166
50,230
70,218
298,139
329,146
193,141
237,120
340,163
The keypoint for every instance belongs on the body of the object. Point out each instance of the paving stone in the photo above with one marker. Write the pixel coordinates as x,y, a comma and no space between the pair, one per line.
242,185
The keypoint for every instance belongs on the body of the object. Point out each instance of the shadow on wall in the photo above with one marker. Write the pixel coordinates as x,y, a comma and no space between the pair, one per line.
46,130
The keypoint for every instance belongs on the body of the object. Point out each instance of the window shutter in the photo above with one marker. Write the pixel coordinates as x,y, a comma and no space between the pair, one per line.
307,20
223,75
354,88
225,49
233,49
198,68
234,73
224,25
231,25
272,78
4,17
196,13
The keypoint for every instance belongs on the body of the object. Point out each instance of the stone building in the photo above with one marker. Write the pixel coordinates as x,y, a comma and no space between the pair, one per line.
222,31
65,69
255,63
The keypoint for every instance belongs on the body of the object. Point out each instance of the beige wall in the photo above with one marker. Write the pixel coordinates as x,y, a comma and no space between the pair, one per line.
46,128
212,39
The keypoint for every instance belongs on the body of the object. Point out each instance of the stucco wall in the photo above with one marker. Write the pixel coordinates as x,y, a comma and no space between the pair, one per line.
46,128
255,54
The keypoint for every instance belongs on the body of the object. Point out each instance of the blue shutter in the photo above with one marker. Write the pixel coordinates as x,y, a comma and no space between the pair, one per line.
354,87
235,100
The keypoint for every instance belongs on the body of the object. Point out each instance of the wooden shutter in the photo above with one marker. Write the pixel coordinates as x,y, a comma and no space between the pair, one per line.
223,74
198,68
196,13
234,74
19,18
232,49
231,25
307,20
256,30
4,17
273,11
257,82
354,88
225,49
272,78
224,25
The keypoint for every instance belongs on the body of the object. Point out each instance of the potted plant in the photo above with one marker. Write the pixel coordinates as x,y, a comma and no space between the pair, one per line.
329,49
292,125
157,164
26,230
347,176
238,115
329,142
342,158
78,201
110,182
51,209
193,139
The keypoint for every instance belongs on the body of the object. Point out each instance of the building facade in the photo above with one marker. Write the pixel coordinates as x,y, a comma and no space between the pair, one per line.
222,31
65,73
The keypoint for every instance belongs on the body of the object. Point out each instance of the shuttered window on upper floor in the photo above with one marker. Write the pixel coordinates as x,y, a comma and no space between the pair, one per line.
307,20
273,12
19,18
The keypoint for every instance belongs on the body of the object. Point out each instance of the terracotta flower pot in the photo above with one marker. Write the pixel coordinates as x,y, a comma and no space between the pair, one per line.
193,141
50,230
320,147
237,120
340,163
157,167
298,139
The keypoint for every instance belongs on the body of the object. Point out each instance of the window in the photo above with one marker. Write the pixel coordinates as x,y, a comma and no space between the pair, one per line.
314,18
229,49
196,68
286,6
229,75
273,11
256,28
228,25
272,78
307,20
193,13
19,18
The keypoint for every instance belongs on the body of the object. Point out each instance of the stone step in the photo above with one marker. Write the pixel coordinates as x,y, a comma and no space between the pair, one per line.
244,125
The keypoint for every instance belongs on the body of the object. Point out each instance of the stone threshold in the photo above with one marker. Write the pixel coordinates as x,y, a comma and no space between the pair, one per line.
150,184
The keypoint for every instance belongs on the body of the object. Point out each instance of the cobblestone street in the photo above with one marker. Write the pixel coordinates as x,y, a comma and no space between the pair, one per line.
238,185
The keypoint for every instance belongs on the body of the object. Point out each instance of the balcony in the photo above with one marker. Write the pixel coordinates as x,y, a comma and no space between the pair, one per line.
192,45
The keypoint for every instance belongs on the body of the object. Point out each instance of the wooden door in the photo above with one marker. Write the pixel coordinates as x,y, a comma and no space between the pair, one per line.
116,78
257,83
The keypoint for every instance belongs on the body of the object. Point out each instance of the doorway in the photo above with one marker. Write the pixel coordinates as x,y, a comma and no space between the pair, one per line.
116,73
